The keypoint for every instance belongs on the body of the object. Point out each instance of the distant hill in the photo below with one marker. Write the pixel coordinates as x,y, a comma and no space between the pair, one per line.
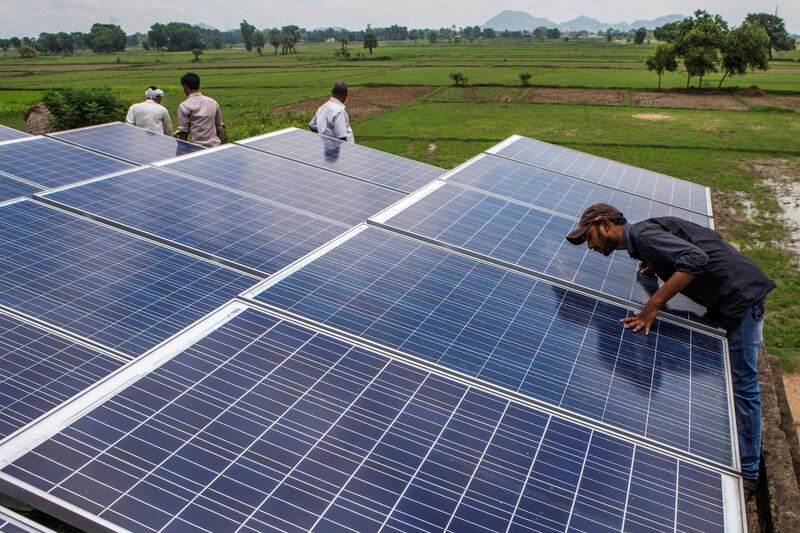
204,26
517,21
651,24
520,20
583,23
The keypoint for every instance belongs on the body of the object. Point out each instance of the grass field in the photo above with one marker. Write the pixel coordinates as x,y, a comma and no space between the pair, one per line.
450,125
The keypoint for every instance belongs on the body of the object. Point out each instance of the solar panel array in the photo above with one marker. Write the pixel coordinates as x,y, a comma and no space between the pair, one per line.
357,161
527,336
126,142
49,163
560,193
221,222
41,370
11,188
268,425
126,293
531,238
7,133
288,182
645,183
455,369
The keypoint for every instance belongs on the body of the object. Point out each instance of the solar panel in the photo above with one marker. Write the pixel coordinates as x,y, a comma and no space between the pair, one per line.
268,425
287,182
121,291
49,163
544,342
351,159
527,237
11,188
558,192
218,221
646,183
132,144
11,522
40,370
7,133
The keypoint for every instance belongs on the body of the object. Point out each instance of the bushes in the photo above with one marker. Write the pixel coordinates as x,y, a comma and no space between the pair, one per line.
251,124
525,78
459,79
26,52
75,108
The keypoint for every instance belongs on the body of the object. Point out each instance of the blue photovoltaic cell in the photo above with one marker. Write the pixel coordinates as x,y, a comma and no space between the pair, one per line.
559,192
225,223
530,238
50,163
265,425
506,328
361,162
11,188
290,183
130,143
666,189
124,292
40,370
7,134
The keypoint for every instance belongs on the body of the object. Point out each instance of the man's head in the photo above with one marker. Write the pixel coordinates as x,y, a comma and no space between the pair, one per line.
154,93
190,82
601,228
339,91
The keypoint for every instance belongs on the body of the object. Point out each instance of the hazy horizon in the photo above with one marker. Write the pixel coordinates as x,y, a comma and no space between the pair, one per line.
36,16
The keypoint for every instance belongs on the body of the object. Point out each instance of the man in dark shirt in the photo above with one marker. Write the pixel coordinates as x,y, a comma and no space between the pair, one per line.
695,261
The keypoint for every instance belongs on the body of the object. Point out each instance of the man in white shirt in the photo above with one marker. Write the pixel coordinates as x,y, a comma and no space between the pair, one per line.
150,114
331,119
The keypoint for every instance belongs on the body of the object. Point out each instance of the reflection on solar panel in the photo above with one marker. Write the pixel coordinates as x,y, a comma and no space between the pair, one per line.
135,145
287,182
121,291
529,238
12,188
49,163
268,425
561,193
217,221
550,344
358,161
6,133
646,183
39,370
11,522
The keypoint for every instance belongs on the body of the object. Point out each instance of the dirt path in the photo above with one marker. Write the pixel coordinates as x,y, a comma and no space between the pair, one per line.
366,101
790,102
575,96
722,101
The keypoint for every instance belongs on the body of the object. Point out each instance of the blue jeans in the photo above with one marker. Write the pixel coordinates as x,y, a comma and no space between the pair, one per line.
743,345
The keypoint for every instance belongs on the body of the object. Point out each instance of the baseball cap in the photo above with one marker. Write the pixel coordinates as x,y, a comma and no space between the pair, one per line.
594,213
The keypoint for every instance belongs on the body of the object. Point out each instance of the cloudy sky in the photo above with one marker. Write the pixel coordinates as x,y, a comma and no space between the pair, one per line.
31,17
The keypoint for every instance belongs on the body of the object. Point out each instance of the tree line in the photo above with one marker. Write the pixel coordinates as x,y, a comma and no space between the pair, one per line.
705,44
182,36
100,38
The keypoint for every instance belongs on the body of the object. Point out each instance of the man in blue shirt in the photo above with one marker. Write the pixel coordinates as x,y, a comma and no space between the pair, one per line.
695,261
